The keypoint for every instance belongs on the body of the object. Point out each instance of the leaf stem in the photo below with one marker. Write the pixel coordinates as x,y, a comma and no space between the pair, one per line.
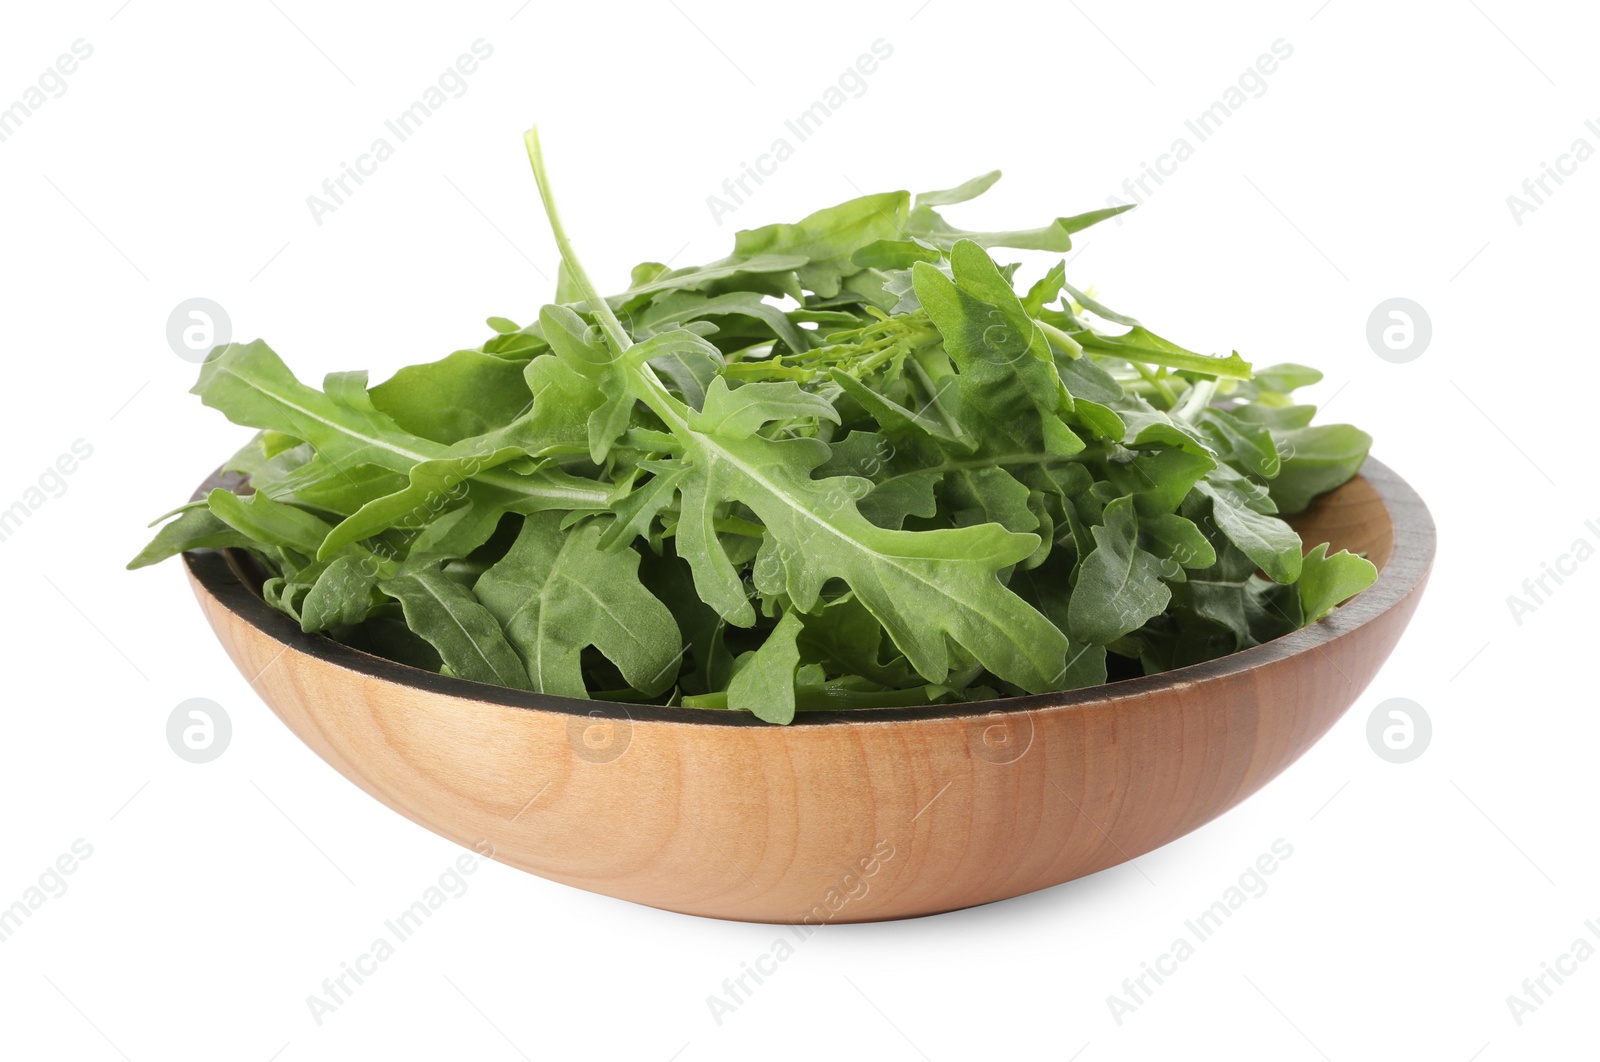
1059,339
615,334
653,393
1198,399
1158,383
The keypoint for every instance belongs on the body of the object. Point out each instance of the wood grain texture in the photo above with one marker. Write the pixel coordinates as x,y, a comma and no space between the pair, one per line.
841,817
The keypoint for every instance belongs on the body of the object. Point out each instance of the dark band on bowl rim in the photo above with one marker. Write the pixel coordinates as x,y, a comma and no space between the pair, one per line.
222,575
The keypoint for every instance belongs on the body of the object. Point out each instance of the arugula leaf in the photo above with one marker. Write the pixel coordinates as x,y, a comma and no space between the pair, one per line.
764,683
678,309
1003,384
961,193
1268,541
826,239
250,385
464,394
1139,344
927,224
465,634
557,592
193,529
1177,539
921,585
1328,581
855,463
738,414
1248,447
261,519
344,594
1317,459
1119,584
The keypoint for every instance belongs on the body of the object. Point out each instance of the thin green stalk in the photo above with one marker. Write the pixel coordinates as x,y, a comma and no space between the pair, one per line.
1067,345
1158,383
654,393
1199,398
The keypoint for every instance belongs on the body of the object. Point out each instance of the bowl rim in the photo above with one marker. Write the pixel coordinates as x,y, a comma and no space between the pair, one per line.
219,573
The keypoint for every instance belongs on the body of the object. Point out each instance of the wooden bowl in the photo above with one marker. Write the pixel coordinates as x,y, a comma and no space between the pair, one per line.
841,817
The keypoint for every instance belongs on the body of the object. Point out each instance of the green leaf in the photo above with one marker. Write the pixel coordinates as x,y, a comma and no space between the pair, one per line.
464,633
923,586
988,495
1277,418
557,592
610,399
769,269
846,466
707,662
1098,308
1284,378
1158,480
895,254
344,594
462,530
925,223
431,488
828,238
1265,539
1316,460
846,637
193,529
1175,538
1143,346
467,393
1327,582
960,193
737,414
1047,289
673,311
1010,395
1119,584
1248,447
264,520
639,508
764,684
251,385
897,419
1048,588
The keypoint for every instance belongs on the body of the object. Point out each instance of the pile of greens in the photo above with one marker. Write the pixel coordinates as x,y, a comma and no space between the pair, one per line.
847,466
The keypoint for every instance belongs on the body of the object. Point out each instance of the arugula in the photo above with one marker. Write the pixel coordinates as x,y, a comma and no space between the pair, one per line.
852,464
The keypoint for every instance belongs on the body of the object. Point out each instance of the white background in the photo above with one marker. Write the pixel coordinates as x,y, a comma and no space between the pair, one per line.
1376,164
